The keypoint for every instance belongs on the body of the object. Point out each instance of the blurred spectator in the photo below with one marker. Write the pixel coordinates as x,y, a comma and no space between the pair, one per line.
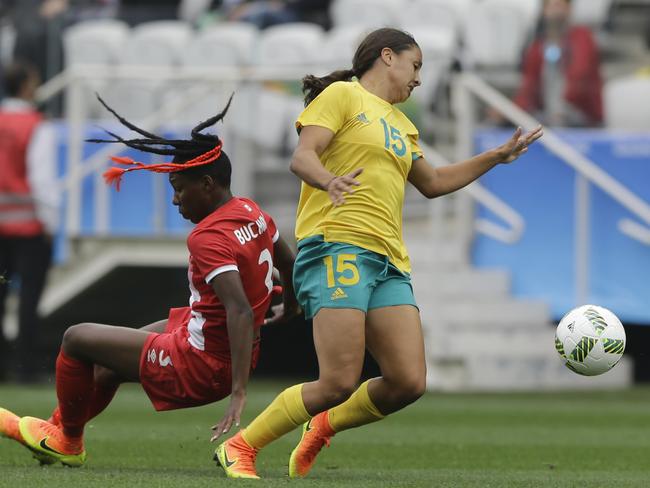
134,12
92,9
265,13
38,25
561,82
29,201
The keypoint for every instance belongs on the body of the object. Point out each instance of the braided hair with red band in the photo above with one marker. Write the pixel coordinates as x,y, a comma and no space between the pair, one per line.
195,155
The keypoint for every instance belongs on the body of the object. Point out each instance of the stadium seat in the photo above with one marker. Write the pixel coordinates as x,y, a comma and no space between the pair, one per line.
591,12
299,44
192,10
341,44
227,44
626,103
531,9
495,33
290,44
370,13
434,13
275,119
94,42
438,50
160,44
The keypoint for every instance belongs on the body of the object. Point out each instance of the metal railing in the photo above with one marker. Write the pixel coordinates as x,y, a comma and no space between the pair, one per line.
468,86
515,223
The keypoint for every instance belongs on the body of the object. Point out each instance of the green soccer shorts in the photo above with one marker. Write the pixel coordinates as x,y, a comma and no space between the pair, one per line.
340,275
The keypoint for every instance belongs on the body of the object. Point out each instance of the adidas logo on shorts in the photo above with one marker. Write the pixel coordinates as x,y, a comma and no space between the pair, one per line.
338,293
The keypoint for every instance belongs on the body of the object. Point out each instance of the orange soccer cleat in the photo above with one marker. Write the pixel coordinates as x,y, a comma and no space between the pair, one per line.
316,433
9,429
237,458
9,425
47,439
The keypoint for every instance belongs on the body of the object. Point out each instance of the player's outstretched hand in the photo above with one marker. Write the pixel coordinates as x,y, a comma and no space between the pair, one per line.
231,417
281,314
339,186
518,144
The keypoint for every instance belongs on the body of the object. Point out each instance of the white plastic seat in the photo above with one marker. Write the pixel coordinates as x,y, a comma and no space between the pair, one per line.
265,117
434,13
626,101
531,10
370,13
94,42
192,10
438,50
290,44
340,45
590,12
230,44
272,119
160,43
227,44
495,33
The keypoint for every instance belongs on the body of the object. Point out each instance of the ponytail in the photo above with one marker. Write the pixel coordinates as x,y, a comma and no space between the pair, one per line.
364,58
312,85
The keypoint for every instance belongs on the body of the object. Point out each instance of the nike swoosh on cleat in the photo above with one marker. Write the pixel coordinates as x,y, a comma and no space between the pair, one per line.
228,461
44,446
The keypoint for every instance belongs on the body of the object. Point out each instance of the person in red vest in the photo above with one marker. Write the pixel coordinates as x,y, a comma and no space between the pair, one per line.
561,82
29,202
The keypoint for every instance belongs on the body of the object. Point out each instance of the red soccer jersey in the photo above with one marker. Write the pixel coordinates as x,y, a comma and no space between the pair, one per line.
238,236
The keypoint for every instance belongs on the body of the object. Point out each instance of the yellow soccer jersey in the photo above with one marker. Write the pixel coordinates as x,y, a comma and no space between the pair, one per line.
372,134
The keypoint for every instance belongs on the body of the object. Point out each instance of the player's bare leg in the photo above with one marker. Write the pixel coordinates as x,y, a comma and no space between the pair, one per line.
84,345
339,337
340,342
340,346
107,382
394,337
395,340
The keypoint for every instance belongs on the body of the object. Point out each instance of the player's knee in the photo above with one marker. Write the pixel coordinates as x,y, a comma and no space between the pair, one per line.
336,392
106,377
411,388
73,338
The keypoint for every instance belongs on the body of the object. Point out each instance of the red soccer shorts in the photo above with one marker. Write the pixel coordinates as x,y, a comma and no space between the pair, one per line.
175,375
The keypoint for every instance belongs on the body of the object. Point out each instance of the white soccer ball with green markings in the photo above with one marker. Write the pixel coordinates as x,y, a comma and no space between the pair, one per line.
590,339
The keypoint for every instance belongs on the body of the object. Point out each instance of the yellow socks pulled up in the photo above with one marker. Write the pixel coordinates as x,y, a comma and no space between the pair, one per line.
355,411
288,411
283,415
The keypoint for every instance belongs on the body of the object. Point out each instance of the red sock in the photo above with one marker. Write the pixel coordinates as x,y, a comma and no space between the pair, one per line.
55,418
101,397
74,389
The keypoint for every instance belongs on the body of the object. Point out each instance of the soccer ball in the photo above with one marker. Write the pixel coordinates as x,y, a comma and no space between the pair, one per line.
590,339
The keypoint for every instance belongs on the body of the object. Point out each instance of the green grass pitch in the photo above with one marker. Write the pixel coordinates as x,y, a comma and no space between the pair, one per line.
445,440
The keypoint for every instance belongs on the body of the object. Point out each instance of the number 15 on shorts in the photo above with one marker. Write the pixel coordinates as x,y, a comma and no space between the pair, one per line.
347,273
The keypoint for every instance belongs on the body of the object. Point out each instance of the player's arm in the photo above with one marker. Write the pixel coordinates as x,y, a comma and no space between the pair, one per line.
240,321
434,182
283,259
306,164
